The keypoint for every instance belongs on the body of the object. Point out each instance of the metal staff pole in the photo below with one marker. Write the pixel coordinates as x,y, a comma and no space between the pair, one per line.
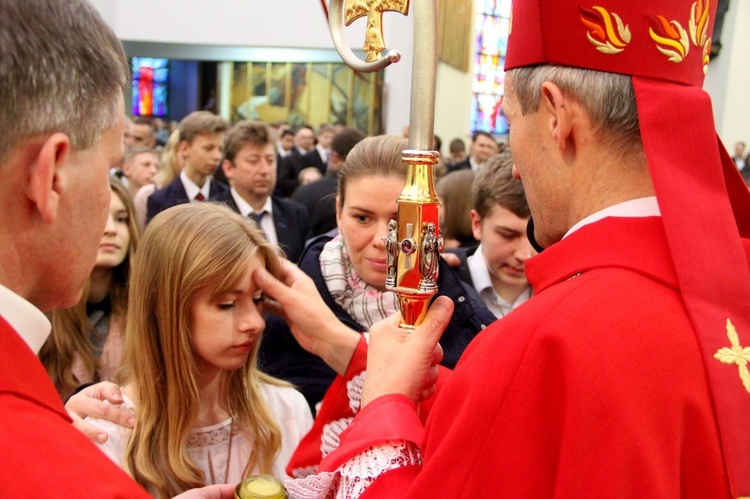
414,241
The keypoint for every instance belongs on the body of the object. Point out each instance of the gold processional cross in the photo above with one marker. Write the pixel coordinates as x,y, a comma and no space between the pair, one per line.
737,354
373,9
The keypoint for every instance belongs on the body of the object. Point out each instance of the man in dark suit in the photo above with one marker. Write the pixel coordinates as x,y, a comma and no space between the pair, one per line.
289,168
201,146
250,166
320,197
483,147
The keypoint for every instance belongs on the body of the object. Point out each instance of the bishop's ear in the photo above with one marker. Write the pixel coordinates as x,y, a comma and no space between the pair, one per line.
45,180
557,109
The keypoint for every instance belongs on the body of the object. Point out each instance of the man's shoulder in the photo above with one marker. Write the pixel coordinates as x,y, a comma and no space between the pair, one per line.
218,188
288,205
312,192
43,455
461,165
168,190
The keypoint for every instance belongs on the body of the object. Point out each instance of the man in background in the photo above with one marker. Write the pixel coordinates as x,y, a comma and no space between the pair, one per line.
139,168
292,164
483,147
250,167
319,197
140,132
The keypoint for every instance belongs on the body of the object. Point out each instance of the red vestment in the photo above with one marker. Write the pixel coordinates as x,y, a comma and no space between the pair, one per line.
41,453
593,388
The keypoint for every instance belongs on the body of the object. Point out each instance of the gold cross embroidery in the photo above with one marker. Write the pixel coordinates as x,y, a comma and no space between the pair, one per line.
373,9
736,355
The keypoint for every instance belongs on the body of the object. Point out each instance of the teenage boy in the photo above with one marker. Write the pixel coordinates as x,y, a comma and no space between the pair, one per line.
201,146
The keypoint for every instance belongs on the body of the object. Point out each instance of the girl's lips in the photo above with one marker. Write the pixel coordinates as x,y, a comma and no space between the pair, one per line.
108,247
248,345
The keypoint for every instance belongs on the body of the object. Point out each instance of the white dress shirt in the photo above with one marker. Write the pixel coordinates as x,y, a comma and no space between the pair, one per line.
635,208
28,321
266,223
480,276
192,189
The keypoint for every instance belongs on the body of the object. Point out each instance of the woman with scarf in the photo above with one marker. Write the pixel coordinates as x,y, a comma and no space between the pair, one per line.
349,268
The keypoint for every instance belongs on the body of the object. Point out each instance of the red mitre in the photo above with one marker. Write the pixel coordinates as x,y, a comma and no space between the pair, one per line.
664,45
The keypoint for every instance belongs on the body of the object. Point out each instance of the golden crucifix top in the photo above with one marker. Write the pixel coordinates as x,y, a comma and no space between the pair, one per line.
373,9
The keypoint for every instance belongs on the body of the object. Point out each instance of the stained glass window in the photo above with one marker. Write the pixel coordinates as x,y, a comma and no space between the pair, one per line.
150,86
492,23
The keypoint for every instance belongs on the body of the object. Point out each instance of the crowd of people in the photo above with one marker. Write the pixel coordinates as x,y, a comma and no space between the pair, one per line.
210,302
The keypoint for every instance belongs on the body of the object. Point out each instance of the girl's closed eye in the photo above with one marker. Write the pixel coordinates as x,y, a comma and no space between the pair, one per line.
226,305
260,302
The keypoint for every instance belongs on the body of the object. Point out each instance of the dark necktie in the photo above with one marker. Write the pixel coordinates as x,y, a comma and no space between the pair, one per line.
258,217
200,197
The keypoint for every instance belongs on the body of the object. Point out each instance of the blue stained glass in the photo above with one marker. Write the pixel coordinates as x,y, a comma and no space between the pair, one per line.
492,26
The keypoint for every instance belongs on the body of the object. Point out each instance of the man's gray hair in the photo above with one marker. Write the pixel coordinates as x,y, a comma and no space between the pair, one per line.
61,70
608,98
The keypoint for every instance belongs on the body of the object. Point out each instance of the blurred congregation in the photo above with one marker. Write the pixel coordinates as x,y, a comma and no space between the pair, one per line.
238,174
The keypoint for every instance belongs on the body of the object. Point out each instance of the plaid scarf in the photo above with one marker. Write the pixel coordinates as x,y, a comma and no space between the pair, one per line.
363,302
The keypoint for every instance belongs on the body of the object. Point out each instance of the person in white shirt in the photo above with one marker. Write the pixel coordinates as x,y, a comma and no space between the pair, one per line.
496,267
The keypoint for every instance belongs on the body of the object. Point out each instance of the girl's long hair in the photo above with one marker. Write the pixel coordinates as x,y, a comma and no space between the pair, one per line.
184,250
71,327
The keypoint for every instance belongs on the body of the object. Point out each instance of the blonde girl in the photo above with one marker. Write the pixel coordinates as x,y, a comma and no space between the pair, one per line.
204,413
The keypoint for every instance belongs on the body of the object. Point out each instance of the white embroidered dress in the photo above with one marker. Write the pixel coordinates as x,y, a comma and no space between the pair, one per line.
208,446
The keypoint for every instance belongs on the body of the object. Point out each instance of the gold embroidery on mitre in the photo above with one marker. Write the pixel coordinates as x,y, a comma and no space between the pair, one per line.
698,26
670,37
510,21
737,354
606,31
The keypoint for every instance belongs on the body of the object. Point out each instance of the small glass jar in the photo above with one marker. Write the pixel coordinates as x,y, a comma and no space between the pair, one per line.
260,487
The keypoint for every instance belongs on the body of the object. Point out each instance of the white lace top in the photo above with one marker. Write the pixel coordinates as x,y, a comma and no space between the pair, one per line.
208,446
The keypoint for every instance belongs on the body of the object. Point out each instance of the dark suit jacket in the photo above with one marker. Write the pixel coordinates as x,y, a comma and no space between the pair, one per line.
174,193
461,165
289,218
462,271
313,158
287,172
319,198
